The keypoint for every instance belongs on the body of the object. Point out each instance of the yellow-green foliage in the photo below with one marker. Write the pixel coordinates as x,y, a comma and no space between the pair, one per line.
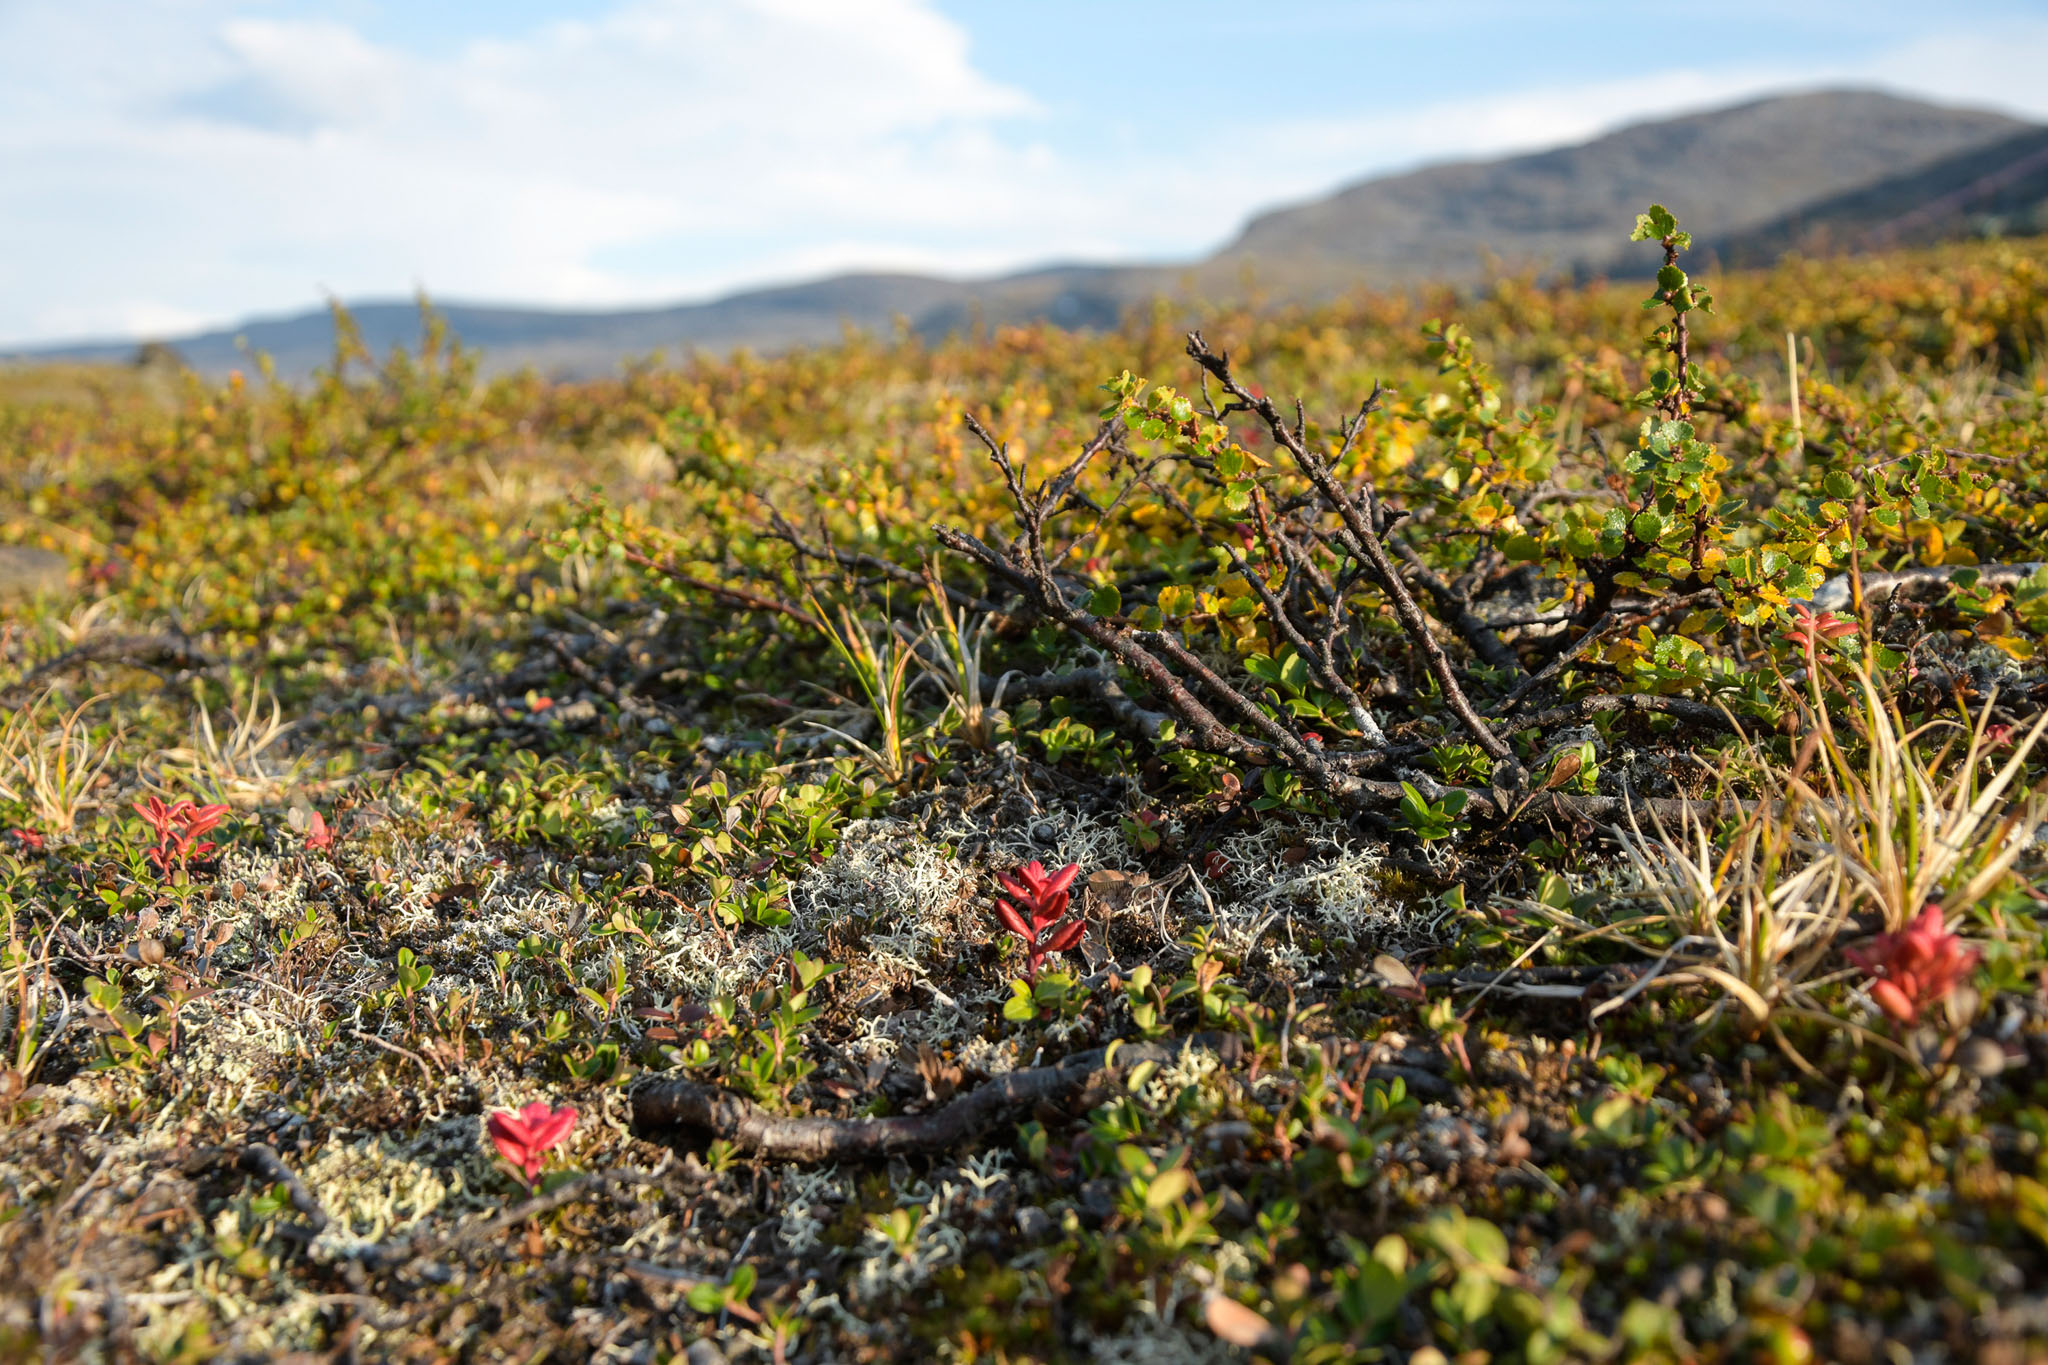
550,763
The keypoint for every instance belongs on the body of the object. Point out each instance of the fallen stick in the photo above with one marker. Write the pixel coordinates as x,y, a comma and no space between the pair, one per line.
156,653
1702,714
1566,975
719,1113
260,1159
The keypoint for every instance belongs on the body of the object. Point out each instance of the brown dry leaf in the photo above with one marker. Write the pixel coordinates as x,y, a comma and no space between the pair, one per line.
1095,944
460,892
1564,771
1396,976
1113,889
1510,1147
941,1078
1231,1321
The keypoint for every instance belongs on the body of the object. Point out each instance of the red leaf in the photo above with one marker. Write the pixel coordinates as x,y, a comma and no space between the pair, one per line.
1013,921
1060,880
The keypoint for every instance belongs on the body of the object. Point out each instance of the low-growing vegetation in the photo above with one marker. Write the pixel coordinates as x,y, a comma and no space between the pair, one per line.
1492,828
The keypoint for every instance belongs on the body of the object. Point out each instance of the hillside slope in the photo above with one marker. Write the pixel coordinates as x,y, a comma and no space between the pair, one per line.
1999,189
1766,176
1729,169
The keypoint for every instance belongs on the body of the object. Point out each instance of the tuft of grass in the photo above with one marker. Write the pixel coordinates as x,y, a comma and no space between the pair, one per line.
880,661
1913,827
956,667
50,762
233,763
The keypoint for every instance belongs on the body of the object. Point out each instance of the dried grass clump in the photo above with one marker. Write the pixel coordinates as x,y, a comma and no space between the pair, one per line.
52,764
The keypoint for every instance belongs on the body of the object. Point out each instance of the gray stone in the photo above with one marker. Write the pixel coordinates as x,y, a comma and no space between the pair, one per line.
1981,1057
29,572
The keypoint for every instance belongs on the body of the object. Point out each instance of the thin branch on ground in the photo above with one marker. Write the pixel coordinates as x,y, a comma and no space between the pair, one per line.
716,1113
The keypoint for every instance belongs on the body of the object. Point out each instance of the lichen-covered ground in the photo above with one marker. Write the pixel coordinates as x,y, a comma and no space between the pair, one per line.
554,774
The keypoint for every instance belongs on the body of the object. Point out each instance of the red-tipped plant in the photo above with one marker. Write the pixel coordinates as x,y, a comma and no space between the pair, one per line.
1041,901
177,828
1809,628
318,835
525,1138
1920,965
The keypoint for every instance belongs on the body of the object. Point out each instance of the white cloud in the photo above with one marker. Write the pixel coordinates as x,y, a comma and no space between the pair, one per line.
168,168
167,160
1997,68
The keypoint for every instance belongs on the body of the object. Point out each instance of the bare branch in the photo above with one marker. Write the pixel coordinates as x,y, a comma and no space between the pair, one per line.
1362,539
717,1113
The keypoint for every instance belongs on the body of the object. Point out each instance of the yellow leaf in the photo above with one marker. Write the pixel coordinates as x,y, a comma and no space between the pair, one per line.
1167,1188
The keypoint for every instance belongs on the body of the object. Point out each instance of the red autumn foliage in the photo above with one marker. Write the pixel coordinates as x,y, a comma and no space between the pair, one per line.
1809,628
1918,966
1041,902
318,835
525,1138
177,828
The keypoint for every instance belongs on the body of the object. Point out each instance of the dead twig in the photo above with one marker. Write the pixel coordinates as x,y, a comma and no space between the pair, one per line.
1637,703
157,653
1359,535
717,1113
261,1160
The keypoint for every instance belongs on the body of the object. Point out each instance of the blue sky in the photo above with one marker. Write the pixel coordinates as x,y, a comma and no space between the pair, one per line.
169,164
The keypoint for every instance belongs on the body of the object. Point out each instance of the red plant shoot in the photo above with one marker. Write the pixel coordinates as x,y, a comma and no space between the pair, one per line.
1809,628
1041,902
525,1138
1918,966
177,828
318,835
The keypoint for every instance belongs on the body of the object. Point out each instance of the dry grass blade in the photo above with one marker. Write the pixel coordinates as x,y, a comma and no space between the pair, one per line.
957,668
51,767
880,663
1753,918
1756,912
1912,830
233,765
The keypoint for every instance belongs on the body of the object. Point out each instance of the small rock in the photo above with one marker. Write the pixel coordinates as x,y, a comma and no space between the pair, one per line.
1033,1222
703,1352
28,572
1981,1057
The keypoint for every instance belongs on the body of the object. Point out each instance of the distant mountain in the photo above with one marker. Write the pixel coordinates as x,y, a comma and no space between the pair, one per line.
2000,189
1834,170
587,343
1723,172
